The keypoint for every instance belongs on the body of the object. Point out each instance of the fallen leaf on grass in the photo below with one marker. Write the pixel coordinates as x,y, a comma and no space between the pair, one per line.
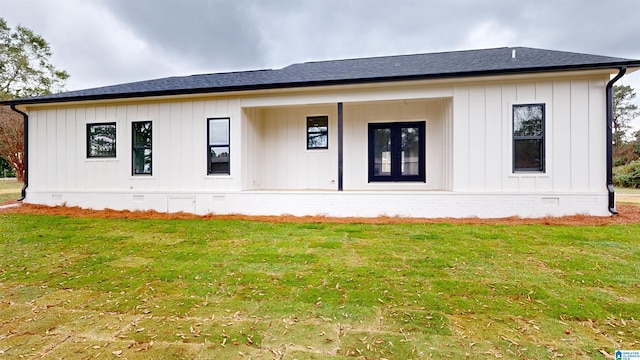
606,354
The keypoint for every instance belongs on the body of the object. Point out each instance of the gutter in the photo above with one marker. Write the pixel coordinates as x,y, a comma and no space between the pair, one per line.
25,151
610,189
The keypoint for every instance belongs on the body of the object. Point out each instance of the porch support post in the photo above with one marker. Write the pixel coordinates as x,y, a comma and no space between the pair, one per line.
340,146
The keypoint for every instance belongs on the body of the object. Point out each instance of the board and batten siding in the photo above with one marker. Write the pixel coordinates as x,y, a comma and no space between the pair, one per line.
468,151
435,115
58,158
575,136
282,158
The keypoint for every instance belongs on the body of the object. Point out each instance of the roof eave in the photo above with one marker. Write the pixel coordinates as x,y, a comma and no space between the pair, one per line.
354,81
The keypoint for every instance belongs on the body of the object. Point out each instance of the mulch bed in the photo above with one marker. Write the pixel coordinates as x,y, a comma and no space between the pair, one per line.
628,214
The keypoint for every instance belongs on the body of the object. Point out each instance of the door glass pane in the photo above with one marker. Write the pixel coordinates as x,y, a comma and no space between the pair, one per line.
382,152
410,151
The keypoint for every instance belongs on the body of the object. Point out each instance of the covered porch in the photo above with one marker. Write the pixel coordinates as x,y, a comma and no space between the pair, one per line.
356,152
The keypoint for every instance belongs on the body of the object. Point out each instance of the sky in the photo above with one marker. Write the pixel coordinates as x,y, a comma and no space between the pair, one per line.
106,42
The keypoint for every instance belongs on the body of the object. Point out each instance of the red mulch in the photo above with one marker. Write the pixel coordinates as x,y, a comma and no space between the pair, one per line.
628,214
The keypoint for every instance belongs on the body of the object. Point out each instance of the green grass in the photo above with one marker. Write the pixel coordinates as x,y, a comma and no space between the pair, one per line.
9,190
627,191
84,288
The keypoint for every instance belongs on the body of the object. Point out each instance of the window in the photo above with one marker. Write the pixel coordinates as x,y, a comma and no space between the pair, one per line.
528,137
141,147
218,146
396,152
101,140
317,132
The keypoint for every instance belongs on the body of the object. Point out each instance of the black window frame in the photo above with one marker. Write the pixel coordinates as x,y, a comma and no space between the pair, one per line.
396,151
135,148
227,144
310,133
115,141
528,138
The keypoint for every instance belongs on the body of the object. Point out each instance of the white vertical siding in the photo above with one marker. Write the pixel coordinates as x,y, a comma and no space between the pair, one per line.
189,173
447,144
461,149
482,131
72,149
163,156
561,130
544,93
78,158
495,127
58,147
597,135
52,160
580,160
284,161
509,182
468,141
478,120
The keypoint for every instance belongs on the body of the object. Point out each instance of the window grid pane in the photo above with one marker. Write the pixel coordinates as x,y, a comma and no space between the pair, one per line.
101,140
218,132
142,161
317,132
219,150
528,154
141,152
527,120
528,137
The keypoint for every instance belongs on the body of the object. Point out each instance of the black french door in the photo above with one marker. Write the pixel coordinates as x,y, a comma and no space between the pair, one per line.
396,151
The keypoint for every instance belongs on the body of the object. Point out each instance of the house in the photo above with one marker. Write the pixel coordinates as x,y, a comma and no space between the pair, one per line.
481,133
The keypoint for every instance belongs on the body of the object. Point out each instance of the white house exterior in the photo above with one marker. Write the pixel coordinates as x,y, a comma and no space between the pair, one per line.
488,140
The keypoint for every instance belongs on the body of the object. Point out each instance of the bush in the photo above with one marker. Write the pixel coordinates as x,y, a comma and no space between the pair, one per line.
627,176
5,169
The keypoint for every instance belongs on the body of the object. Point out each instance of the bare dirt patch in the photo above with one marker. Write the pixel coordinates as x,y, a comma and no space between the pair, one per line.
627,214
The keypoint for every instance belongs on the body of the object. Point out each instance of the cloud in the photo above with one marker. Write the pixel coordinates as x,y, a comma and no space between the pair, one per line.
488,35
103,42
212,34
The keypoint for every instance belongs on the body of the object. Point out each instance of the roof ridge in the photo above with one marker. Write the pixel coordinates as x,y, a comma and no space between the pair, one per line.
405,55
225,73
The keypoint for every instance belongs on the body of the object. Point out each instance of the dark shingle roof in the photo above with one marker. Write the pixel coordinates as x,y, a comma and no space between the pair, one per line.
353,71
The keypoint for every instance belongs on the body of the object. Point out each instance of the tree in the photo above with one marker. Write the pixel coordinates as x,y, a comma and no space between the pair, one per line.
25,70
12,140
624,111
5,169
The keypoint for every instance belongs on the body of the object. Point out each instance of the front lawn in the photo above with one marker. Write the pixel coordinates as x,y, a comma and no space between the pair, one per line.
132,288
9,190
